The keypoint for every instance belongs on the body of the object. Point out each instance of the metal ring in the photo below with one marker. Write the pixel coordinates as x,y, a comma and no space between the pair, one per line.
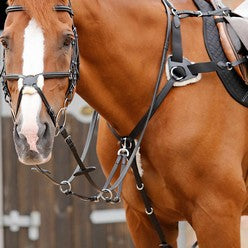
174,75
174,11
149,213
199,13
229,66
62,184
106,198
140,188
123,151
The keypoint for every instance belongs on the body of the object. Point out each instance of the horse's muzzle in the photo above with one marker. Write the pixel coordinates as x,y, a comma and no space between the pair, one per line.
34,146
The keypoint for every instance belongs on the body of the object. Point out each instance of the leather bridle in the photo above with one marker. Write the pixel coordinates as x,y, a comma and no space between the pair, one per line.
31,80
126,156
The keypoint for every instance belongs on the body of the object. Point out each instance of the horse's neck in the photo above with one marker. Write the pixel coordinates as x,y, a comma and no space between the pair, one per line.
120,45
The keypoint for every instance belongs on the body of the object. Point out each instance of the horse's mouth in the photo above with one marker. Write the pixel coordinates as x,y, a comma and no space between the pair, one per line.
33,158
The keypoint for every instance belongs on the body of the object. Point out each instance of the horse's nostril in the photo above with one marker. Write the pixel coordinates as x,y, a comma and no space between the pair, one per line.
17,132
17,129
44,130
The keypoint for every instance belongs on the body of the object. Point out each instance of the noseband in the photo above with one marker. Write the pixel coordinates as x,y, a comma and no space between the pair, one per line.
31,80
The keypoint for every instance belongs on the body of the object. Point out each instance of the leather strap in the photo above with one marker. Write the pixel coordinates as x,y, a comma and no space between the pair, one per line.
14,9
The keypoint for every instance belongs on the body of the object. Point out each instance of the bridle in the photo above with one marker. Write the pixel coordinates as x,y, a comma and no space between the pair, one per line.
126,156
31,80
73,75
128,149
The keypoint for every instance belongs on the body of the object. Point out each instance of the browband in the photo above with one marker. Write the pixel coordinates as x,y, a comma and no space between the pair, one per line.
15,8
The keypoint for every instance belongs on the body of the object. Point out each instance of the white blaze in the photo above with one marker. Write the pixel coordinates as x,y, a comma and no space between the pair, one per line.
33,63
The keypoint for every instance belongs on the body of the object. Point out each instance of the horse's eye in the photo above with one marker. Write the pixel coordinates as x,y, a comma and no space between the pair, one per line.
68,41
5,43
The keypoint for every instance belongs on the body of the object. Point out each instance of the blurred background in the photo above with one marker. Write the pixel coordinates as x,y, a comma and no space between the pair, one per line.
34,214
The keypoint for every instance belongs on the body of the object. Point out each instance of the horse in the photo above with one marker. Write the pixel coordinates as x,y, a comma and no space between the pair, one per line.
194,154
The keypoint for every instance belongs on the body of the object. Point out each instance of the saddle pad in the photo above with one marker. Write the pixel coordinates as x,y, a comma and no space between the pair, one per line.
230,79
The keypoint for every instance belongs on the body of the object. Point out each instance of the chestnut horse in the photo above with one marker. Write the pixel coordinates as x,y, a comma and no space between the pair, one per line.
194,154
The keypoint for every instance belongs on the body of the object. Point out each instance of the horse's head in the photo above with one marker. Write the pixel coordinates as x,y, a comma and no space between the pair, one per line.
41,56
